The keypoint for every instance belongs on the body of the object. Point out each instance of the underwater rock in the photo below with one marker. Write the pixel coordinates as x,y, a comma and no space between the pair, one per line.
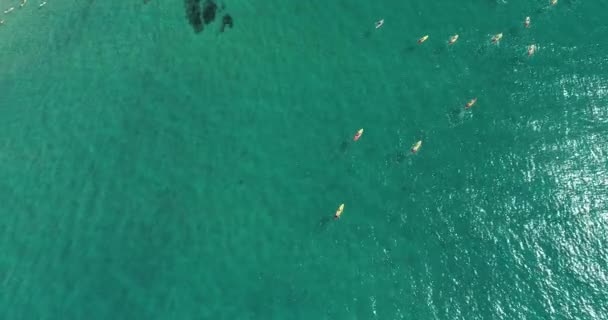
226,21
201,14
209,10
193,13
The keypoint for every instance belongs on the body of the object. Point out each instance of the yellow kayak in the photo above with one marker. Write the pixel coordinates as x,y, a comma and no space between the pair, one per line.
453,39
416,146
497,38
339,211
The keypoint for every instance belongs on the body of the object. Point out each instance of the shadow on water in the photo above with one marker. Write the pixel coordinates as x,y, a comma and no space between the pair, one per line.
344,146
340,151
323,224
398,157
440,50
74,31
516,31
456,116
409,49
517,61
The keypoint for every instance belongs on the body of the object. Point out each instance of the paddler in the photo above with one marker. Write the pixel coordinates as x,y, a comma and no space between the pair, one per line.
531,49
379,23
453,39
470,103
527,22
496,38
423,39
339,212
416,146
358,135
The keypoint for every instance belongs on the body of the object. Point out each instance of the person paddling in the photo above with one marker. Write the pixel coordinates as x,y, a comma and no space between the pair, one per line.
453,39
358,135
470,103
496,38
531,49
339,212
416,146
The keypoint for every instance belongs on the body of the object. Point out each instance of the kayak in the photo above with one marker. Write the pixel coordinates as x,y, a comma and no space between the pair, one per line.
496,38
358,135
416,146
453,39
470,103
339,211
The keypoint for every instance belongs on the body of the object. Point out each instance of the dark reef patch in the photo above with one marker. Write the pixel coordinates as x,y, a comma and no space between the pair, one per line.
209,10
200,15
193,13
226,21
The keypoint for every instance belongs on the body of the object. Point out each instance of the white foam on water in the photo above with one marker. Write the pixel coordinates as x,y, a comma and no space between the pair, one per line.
372,300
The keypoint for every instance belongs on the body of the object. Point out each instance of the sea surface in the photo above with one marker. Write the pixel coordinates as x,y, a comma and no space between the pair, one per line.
148,171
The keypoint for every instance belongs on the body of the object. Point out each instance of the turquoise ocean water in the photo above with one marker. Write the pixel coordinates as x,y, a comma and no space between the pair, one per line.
151,172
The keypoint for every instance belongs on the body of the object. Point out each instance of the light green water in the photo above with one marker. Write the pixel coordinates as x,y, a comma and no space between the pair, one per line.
149,172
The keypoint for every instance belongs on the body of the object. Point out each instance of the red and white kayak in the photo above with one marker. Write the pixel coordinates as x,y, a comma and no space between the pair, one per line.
416,146
358,135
